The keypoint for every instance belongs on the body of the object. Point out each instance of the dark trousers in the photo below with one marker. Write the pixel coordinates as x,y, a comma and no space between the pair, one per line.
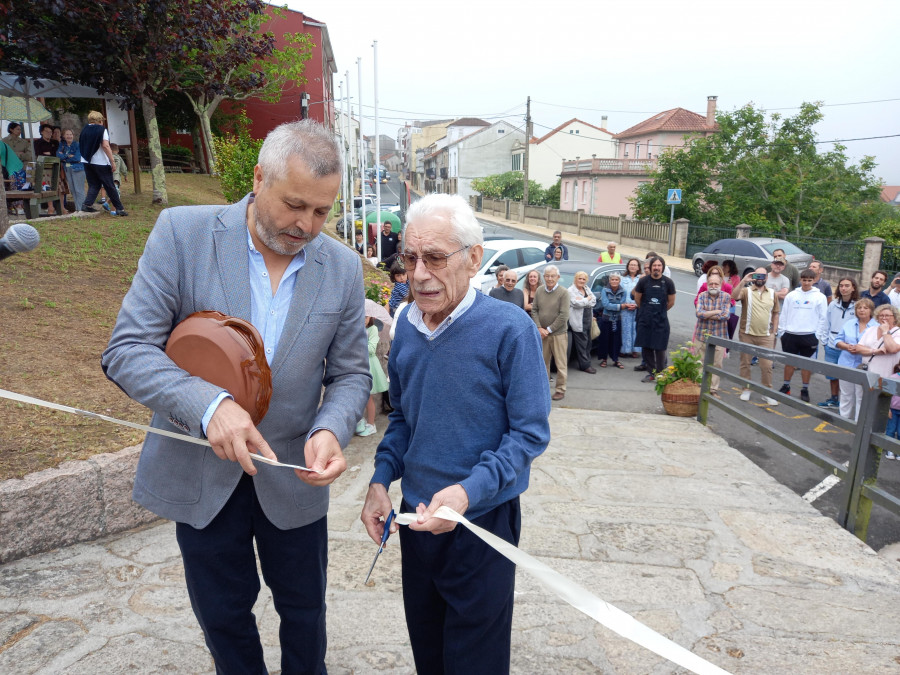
458,596
101,176
655,359
223,584
581,343
610,339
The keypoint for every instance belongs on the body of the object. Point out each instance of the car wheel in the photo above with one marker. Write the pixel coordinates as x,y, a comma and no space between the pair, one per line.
698,266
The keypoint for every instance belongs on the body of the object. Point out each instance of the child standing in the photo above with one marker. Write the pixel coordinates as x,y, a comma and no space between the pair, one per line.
366,426
893,425
120,170
401,287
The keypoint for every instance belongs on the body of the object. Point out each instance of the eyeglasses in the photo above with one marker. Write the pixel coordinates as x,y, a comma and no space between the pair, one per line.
433,261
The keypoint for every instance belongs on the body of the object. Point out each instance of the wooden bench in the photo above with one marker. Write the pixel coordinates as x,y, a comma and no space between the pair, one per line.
45,169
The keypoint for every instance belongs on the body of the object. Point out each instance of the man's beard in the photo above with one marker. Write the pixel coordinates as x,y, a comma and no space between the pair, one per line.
269,235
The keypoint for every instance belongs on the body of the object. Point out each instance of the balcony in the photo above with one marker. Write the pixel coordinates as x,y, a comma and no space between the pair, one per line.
597,166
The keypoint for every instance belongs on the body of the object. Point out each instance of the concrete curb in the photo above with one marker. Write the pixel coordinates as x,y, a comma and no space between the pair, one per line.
77,501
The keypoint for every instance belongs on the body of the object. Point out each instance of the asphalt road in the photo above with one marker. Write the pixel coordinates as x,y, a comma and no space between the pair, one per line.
790,469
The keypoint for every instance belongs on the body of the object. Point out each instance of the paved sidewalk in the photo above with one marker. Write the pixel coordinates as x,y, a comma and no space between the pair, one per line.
655,514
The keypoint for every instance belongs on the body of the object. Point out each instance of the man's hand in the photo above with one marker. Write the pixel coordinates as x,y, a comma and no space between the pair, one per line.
377,507
544,332
454,496
323,453
233,436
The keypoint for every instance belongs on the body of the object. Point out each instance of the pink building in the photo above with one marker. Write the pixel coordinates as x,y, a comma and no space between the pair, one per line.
603,186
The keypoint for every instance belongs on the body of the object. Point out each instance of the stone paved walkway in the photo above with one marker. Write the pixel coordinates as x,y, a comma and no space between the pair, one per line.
654,514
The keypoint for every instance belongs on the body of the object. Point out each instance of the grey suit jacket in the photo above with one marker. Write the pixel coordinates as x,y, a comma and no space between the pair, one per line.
196,259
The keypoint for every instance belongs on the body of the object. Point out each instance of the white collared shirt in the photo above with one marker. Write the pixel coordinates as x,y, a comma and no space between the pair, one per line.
417,319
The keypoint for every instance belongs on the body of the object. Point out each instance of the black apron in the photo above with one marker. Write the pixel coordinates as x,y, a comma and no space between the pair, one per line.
653,316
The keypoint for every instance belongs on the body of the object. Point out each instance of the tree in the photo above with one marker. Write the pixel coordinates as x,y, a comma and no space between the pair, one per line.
509,185
768,174
128,48
242,64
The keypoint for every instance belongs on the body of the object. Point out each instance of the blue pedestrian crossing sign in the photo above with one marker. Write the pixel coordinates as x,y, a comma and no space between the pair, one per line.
673,196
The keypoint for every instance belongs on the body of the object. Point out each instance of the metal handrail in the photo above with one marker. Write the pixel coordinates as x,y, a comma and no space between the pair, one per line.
861,472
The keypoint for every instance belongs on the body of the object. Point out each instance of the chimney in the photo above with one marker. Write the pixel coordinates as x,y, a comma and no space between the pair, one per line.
603,122
711,110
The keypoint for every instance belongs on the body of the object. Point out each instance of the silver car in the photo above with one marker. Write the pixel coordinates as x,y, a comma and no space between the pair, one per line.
748,254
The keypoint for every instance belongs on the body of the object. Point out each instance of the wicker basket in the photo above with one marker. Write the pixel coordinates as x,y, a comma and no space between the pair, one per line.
681,398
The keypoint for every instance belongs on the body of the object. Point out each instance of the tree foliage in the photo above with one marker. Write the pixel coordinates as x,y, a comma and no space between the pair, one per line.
769,174
510,185
132,49
237,154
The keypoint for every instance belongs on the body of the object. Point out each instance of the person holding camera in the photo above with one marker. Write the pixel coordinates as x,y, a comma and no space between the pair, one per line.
760,308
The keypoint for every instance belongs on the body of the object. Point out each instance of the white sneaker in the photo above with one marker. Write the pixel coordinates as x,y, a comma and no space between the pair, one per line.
769,401
368,431
360,426
745,395
889,455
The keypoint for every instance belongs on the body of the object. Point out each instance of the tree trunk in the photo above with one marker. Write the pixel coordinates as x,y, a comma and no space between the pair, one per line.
157,171
204,109
4,212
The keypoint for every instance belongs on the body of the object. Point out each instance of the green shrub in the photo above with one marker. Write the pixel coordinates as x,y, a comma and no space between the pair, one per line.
236,155
177,152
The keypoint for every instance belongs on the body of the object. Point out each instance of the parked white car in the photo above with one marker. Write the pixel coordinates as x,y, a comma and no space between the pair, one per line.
520,255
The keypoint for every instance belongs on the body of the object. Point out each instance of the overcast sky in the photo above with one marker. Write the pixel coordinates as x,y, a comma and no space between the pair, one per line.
626,59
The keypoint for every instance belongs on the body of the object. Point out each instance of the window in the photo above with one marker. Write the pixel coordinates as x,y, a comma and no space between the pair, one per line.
501,130
649,147
531,256
517,162
637,150
508,258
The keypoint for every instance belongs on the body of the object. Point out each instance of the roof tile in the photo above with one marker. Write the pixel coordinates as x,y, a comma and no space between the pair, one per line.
676,119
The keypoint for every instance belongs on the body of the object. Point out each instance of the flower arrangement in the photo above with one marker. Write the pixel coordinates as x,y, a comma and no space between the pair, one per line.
686,365
379,292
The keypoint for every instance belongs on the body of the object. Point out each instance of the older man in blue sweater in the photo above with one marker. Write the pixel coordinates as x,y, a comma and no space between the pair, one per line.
471,406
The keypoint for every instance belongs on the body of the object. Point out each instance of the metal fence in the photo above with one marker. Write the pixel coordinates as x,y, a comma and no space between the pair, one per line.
835,252
699,237
890,259
860,473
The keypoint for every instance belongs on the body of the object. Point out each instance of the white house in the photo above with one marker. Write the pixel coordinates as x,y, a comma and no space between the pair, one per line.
481,153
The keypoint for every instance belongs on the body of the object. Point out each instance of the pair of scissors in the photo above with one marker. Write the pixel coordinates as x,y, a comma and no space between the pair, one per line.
384,538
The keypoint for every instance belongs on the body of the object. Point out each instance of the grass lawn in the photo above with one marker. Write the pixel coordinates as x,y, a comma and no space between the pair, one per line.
58,305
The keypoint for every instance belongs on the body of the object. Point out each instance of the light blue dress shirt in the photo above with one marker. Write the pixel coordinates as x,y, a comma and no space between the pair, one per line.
267,311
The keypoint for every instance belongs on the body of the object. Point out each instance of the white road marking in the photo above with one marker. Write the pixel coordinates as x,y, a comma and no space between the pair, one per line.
827,483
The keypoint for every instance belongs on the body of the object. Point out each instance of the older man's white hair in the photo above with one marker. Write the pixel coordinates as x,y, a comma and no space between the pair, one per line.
464,227
551,268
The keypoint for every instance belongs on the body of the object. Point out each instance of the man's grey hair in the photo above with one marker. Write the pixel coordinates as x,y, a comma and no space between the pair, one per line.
611,243
551,268
464,227
314,144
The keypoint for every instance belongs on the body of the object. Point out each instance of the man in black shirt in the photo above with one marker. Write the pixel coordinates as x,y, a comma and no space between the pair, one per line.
508,291
875,291
655,296
389,243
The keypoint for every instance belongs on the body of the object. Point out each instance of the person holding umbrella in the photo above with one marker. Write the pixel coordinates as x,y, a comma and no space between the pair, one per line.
375,314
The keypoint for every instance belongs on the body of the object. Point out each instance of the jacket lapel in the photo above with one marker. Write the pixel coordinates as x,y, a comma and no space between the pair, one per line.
306,290
230,236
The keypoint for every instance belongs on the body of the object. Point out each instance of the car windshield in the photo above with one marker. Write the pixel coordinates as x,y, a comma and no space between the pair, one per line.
489,254
786,246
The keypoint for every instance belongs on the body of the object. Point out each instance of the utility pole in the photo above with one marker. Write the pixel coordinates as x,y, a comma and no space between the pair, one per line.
525,158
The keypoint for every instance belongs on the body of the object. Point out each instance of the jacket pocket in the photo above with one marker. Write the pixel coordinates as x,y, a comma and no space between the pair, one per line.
324,317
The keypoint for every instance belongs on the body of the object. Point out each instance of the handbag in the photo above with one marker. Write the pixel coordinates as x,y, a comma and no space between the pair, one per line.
865,365
595,329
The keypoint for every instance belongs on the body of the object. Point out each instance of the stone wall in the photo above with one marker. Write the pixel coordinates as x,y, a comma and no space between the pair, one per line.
76,501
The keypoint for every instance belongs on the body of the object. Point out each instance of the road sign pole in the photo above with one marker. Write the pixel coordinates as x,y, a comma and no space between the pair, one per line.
672,231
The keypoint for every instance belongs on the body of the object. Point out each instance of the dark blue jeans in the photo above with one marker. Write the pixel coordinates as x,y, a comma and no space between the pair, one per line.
458,596
222,582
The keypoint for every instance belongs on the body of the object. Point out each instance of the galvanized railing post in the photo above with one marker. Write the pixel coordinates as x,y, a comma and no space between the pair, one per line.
864,461
708,359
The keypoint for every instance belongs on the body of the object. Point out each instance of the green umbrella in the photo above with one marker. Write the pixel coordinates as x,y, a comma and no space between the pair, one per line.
386,216
13,108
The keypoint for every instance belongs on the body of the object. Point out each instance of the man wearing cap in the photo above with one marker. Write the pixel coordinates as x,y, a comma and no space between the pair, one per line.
261,260
791,272
777,280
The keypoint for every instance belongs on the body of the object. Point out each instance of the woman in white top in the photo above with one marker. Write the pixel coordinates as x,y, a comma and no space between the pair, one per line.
879,346
581,300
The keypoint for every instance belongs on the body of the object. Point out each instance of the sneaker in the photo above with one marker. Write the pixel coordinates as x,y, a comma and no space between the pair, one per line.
785,389
368,431
106,207
89,209
643,366
121,212
769,401
804,395
889,455
360,426
832,402
745,395
648,378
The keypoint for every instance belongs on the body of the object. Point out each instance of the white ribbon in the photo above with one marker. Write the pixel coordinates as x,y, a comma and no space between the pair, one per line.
580,598
12,396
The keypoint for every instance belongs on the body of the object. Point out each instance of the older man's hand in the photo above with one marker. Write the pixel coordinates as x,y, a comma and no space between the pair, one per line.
544,332
376,509
454,497
323,453
232,435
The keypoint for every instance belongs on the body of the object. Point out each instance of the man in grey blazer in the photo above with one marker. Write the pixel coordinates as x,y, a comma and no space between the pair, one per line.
262,260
